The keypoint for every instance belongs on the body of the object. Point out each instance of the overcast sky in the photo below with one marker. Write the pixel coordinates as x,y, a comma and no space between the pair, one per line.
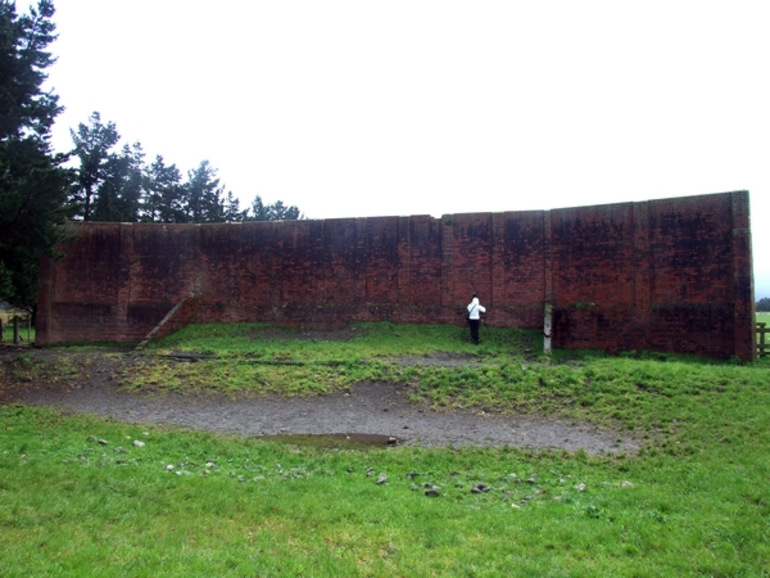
366,108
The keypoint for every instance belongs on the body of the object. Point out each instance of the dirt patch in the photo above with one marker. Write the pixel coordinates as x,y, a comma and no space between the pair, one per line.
438,359
91,385
344,334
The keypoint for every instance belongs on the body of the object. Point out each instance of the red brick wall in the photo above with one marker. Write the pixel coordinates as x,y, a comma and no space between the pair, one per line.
667,275
670,275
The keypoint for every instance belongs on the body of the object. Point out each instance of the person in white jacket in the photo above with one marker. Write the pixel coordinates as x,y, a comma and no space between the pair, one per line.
474,319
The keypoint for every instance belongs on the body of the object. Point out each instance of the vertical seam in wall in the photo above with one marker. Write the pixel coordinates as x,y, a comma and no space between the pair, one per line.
447,264
634,259
548,296
736,271
491,266
549,328
197,258
741,239
642,275
123,298
408,236
130,288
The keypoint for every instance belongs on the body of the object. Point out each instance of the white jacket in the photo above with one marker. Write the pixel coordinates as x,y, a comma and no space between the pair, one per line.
474,308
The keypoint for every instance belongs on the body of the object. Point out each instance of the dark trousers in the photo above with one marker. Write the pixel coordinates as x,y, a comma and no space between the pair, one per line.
474,323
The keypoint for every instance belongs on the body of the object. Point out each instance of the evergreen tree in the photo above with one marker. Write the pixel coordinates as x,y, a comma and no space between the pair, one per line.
233,213
33,183
93,146
204,202
164,195
274,212
119,196
259,211
280,212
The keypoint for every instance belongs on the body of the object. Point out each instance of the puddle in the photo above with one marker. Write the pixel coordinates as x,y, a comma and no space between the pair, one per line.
343,441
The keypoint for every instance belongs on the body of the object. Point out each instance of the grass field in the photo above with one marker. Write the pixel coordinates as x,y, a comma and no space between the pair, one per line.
28,335
80,497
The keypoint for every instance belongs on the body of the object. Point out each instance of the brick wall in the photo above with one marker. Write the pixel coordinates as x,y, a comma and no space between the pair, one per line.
668,275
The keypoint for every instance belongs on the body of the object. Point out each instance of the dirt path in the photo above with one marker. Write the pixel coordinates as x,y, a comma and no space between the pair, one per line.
373,412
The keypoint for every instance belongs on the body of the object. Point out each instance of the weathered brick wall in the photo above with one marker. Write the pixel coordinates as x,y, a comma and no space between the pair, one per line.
670,275
666,275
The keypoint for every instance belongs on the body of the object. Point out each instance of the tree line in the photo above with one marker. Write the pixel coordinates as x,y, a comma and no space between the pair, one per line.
40,190
117,184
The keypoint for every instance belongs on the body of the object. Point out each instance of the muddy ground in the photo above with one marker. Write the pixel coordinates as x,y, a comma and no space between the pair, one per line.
369,413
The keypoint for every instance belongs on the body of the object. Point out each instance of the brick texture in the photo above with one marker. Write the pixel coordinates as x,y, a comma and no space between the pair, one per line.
666,275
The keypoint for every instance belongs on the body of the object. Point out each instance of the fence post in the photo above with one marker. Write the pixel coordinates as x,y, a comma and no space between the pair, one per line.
547,327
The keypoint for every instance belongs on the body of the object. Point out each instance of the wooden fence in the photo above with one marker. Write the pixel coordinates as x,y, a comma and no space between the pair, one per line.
762,342
16,321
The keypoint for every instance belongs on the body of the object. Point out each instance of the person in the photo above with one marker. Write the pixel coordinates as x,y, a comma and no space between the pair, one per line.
474,319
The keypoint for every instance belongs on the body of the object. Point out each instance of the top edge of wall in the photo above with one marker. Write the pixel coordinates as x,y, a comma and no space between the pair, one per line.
420,216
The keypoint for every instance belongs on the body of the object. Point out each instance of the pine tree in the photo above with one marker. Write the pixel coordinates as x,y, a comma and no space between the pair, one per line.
119,196
93,146
233,213
164,195
33,183
204,195
274,212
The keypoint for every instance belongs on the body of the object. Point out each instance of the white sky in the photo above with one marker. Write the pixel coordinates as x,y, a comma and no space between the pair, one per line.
366,108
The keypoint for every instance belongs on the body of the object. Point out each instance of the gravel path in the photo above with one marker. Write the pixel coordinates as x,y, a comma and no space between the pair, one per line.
371,413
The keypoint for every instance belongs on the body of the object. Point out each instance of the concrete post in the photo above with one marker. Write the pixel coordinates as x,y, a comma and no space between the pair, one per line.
547,330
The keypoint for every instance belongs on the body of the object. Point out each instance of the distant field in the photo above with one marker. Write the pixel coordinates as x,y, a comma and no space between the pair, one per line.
763,317
7,336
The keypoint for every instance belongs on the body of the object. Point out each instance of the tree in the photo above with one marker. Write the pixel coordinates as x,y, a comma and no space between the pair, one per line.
119,186
233,213
763,304
33,182
119,196
204,202
164,194
93,146
280,212
275,212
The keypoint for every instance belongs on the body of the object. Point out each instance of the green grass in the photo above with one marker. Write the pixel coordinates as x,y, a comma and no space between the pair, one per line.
693,502
260,359
27,335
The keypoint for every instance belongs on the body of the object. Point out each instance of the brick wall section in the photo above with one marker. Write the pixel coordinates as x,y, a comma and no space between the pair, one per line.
670,275
665,275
